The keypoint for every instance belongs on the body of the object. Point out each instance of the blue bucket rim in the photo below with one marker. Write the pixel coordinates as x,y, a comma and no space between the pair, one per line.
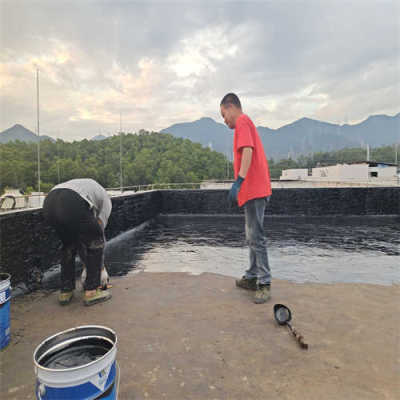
41,367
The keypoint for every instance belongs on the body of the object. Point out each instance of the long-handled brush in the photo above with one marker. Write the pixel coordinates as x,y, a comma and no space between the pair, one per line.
283,316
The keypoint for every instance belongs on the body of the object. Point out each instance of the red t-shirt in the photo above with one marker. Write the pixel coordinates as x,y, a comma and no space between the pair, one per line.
257,182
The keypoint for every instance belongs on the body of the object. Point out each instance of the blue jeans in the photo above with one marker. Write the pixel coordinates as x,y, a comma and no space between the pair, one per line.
254,216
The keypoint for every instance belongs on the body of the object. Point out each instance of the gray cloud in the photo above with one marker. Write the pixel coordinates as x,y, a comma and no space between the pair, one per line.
163,62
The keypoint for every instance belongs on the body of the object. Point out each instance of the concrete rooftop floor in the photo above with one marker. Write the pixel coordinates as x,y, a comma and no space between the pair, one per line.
198,337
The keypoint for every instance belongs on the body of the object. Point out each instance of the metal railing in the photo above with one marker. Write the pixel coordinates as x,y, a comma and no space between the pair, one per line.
153,186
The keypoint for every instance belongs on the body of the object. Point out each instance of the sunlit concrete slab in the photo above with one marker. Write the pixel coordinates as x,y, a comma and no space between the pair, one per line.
182,336
186,332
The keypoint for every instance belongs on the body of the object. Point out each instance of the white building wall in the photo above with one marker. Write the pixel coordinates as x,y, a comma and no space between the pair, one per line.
384,173
36,199
353,172
294,174
326,173
344,173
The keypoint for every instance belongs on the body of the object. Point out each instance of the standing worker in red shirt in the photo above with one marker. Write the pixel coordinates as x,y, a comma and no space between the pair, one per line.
252,189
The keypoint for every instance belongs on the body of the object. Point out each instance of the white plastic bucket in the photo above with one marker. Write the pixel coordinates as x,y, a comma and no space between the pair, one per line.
79,363
5,295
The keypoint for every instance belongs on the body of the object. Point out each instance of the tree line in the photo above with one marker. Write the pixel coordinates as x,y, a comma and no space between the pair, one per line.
147,158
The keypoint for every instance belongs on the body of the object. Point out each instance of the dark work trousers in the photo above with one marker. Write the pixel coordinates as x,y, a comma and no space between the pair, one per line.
70,215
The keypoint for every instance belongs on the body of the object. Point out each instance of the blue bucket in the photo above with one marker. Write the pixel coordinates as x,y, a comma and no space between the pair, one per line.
79,364
5,294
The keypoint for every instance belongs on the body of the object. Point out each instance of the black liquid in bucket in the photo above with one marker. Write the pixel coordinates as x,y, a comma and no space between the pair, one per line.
76,354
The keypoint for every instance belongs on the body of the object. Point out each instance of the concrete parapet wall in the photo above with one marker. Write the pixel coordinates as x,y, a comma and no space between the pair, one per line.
132,210
309,183
296,201
28,246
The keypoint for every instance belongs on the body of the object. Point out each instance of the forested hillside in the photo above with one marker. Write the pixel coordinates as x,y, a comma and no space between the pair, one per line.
146,158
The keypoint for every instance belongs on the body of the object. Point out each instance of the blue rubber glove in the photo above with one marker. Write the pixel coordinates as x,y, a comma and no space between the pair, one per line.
233,193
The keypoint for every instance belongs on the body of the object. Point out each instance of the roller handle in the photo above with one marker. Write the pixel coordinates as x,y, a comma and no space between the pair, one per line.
298,337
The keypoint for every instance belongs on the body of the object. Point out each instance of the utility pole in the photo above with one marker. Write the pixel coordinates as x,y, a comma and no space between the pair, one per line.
227,166
367,152
396,162
38,128
121,183
58,161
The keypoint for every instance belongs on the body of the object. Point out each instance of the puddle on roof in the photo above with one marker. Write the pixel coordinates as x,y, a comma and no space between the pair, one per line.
301,249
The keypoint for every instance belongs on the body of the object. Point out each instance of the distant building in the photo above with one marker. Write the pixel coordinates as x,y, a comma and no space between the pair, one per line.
294,174
13,199
361,172
36,199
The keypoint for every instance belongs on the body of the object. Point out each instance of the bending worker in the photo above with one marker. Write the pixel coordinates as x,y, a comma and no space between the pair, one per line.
79,210
251,189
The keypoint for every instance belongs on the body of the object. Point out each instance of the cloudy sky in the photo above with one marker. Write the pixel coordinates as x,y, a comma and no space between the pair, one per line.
163,62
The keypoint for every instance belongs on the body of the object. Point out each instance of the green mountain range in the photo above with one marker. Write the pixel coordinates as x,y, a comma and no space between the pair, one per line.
301,137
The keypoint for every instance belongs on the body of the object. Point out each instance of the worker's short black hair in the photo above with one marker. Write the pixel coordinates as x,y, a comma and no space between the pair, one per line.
231,98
